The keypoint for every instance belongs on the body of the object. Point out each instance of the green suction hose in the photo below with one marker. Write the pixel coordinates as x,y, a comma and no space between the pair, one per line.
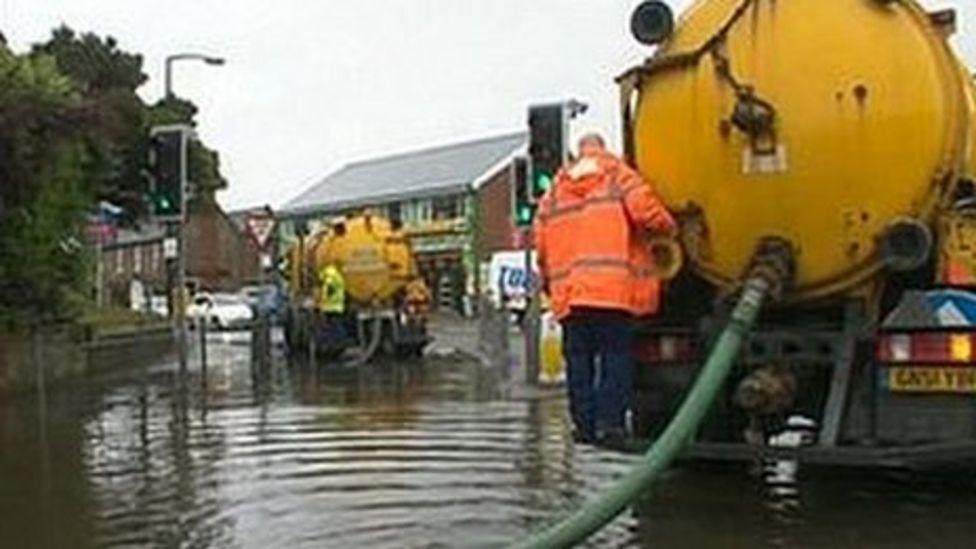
599,511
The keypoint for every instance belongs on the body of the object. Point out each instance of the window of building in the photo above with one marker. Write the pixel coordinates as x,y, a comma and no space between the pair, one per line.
447,207
394,212
417,211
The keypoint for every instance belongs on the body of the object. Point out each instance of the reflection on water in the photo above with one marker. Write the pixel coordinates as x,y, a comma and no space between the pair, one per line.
418,455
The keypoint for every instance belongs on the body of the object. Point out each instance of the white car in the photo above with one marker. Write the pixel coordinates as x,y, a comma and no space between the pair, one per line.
159,306
220,311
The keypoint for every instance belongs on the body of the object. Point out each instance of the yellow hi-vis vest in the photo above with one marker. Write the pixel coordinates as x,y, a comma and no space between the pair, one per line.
332,294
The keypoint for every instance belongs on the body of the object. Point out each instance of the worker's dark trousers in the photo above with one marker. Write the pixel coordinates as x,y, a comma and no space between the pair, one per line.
600,373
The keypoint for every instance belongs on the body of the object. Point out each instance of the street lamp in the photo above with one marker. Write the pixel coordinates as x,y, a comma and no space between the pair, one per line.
177,228
170,59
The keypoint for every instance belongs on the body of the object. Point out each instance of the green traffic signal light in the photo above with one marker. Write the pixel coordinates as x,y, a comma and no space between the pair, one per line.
167,170
162,204
543,182
524,215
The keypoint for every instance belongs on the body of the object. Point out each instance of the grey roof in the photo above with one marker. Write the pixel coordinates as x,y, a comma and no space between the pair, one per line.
417,174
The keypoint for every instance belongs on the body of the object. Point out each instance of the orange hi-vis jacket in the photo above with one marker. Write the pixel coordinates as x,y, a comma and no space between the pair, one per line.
592,232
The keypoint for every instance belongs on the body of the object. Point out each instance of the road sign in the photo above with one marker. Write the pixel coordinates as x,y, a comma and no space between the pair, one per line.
260,225
171,248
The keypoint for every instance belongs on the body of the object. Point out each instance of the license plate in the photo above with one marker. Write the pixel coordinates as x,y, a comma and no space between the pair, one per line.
931,380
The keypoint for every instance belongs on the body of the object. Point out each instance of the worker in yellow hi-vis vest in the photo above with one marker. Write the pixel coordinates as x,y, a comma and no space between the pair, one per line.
333,331
332,291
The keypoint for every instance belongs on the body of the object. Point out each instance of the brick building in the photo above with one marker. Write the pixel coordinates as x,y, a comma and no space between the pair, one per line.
130,255
454,202
219,256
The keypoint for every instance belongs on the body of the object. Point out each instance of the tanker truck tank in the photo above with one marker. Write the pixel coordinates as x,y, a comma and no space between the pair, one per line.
375,259
386,300
844,131
971,103
823,123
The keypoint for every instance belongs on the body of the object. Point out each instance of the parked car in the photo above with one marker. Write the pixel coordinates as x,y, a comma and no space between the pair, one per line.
220,311
158,306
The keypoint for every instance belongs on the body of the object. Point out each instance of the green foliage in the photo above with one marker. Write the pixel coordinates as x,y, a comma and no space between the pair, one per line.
94,63
106,79
74,131
43,272
37,110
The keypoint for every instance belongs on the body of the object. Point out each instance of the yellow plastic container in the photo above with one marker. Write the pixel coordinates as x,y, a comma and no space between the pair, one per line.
553,367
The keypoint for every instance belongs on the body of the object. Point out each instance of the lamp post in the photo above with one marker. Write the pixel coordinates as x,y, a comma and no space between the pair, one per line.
179,225
170,59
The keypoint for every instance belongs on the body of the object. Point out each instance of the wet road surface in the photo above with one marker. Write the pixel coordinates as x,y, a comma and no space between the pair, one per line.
432,454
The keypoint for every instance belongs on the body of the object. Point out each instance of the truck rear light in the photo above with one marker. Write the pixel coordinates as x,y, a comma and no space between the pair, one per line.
669,348
926,347
899,348
960,347
665,349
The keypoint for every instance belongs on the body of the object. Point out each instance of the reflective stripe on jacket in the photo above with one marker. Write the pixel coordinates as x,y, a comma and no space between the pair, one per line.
592,231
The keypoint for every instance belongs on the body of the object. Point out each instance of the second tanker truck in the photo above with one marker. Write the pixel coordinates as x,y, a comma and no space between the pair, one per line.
386,302
835,140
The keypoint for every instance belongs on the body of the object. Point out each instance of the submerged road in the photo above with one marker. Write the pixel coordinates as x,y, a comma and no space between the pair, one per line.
440,453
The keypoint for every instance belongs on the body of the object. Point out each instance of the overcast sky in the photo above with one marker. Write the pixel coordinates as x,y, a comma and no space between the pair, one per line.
311,85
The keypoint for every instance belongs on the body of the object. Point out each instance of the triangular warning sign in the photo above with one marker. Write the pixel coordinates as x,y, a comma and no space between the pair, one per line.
259,228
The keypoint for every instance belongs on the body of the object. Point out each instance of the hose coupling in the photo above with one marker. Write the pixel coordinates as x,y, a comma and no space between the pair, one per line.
773,263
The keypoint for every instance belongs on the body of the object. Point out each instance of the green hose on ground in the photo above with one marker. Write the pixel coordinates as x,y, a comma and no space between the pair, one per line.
598,512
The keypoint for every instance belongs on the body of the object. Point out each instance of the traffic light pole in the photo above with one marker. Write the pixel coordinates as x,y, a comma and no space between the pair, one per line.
548,152
531,322
181,338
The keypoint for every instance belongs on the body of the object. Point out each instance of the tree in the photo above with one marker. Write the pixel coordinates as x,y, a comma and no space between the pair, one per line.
42,188
74,131
107,79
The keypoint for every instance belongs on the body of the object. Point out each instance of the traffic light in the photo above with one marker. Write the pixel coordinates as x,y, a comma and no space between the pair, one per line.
167,158
547,145
523,205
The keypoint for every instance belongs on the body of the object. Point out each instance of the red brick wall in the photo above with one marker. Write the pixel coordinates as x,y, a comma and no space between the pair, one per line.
495,214
219,256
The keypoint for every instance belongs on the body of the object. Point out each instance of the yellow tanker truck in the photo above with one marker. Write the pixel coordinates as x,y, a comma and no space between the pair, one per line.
843,131
386,302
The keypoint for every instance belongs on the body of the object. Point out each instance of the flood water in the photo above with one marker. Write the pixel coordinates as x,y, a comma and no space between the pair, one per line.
433,454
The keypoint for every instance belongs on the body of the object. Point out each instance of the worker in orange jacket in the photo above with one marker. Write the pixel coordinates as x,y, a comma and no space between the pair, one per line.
592,232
